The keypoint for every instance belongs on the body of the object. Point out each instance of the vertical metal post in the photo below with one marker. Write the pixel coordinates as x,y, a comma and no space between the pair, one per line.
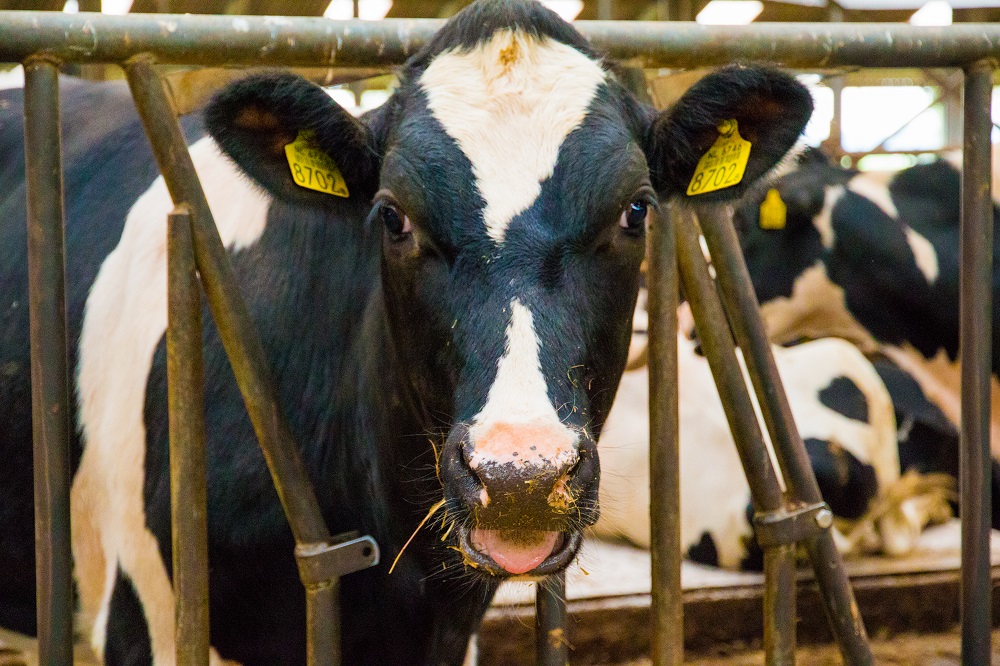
667,645
50,405
740,301
976,314
186,408
720,351
551,647
245,354
780,603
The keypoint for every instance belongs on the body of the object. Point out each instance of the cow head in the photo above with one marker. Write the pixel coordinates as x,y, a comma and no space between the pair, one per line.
510,177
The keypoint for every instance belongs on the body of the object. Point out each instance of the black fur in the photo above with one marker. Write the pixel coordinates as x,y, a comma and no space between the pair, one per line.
704,552
128,635
847,484
843,396
870,259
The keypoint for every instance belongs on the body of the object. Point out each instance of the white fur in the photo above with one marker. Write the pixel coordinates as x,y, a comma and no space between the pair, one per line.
924,254
519,397
714,491
816,309
509,103
124,320
874,191
824,221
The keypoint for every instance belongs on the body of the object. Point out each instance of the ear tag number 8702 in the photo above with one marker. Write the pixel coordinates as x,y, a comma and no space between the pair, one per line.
724,163
312,168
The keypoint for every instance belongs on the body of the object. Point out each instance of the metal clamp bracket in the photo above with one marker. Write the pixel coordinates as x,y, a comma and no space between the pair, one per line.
321,563
784,527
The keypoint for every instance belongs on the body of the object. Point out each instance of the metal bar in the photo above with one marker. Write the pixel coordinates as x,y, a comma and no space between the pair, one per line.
246,355
551,647
976,314
779,605
720,351
740,301
295,41
667,648
186,409
50,407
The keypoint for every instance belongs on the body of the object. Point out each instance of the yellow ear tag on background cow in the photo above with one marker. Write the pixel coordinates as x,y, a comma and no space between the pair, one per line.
312,168
724,163
773,211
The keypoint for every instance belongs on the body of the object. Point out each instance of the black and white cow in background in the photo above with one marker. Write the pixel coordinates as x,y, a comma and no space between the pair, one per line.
465,310
845,416
875,263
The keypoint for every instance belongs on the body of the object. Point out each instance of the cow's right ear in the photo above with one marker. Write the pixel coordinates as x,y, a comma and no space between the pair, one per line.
254,119
771,109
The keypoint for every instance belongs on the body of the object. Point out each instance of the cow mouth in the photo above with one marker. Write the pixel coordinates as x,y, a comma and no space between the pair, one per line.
516,552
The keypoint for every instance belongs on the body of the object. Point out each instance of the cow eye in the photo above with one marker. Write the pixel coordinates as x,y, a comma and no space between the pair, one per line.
633,218
396,222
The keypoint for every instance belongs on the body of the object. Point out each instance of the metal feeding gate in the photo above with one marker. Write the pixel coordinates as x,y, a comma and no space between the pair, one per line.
43,41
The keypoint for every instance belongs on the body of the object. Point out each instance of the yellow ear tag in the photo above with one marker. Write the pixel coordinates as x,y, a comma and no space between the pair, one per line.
312,168
773,211
724,163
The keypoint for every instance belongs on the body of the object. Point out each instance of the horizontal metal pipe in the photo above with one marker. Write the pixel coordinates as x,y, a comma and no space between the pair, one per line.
255,40
50,408
186,415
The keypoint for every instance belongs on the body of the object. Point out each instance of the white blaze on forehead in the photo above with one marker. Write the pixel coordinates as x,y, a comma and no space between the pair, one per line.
923,253
518,405
509,103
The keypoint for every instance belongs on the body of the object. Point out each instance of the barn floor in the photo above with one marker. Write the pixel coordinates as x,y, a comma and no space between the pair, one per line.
909,649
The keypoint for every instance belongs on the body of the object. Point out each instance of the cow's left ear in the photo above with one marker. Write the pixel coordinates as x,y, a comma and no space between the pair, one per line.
770,108
254,119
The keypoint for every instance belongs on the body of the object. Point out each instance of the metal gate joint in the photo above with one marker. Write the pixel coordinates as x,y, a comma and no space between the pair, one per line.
321,563
788,526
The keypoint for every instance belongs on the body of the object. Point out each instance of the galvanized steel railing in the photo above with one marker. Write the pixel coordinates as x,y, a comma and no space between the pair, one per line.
43,40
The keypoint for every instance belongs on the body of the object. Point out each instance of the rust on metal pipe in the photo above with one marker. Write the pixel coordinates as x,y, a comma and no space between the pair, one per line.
50,406
975,346
667,645
186,413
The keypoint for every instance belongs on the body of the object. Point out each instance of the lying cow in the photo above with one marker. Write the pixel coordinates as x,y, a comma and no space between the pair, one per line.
845,417
871,262
874,263
463,309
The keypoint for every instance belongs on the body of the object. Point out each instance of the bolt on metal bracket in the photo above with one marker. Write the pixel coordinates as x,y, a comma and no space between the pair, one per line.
347,553
785,527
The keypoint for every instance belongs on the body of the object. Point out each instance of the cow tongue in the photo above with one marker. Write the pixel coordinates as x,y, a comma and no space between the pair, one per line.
517,551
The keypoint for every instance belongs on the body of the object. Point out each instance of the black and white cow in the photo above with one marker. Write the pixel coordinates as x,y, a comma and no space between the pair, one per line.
845,416
874,262
454,329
